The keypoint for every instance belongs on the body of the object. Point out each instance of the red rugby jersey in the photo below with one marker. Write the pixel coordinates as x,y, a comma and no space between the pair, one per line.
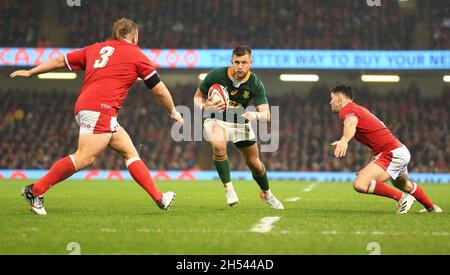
370,131
111,68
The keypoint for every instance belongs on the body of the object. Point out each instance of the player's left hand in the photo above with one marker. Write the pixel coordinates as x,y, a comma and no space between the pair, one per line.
22,73
341,148
177,117
250,116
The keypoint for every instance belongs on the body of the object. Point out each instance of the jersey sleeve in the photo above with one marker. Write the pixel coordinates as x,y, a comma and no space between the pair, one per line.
260,94
146,70
346,112
145,67
207,83
76,60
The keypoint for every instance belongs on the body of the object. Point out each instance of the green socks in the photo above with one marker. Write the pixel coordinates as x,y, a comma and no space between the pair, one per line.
223,168
262,180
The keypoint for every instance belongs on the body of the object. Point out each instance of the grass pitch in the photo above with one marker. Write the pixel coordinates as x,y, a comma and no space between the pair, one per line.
117,217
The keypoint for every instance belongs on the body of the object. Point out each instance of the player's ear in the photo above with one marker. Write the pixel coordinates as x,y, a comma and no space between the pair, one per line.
135,38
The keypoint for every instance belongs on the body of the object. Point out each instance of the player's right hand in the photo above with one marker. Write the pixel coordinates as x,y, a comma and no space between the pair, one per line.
22,73
214,107
341,148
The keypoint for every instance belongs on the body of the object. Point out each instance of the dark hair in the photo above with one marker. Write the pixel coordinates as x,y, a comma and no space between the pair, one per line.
123,27
241,51
345,90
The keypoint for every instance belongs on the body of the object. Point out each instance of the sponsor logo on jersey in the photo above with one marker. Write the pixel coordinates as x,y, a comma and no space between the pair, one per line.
85,125
233,104
105,106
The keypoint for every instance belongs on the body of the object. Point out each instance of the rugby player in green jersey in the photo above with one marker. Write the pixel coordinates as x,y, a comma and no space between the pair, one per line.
233,124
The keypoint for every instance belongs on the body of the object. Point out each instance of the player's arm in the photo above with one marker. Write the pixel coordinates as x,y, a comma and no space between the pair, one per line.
147,71
44,67
164,98
261,103
199,100
263,113
350,124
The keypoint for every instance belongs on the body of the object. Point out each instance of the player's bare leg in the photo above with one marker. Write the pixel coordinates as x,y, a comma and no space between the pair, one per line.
251,157
89,147
370,180
218,137
122,144
402,182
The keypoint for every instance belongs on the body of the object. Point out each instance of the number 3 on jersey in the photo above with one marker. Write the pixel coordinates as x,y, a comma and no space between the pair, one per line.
105,54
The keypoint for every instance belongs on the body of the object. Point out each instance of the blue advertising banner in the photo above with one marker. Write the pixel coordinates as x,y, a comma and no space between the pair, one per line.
262,59
212,175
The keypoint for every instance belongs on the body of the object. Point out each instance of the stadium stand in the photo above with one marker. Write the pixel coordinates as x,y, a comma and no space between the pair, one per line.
282,24
38,127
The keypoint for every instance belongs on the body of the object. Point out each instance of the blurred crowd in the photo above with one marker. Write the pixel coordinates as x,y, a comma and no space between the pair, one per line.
20,23
37,128
32,136
280,24
308,127
440,15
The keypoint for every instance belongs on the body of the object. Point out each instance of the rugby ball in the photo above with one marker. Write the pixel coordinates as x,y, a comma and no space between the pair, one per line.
218,93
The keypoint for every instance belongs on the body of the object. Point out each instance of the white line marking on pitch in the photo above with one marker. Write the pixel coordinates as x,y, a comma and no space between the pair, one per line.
283,232
310,187
264,225
440,233
334,232
108,230
294,199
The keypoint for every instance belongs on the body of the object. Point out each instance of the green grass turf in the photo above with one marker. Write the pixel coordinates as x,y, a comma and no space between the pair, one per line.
113,217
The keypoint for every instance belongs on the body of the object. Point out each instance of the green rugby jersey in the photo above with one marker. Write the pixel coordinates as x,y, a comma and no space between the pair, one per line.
251,87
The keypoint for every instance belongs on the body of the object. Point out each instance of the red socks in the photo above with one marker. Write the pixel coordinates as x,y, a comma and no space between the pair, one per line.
381,189
420,196
141,175
66,167
61,170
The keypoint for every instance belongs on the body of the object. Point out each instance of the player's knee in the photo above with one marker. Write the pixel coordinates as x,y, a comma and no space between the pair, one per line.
83,161
219,149
361,186
129,155
88,161
255,166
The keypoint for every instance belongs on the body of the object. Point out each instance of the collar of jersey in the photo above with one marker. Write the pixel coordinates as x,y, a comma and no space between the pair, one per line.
235,82
126,40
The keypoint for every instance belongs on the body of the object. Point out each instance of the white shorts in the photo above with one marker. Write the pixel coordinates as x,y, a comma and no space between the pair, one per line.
236,132
394,162
92,122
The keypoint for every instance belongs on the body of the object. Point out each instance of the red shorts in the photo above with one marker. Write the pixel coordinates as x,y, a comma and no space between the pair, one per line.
394,162
92,122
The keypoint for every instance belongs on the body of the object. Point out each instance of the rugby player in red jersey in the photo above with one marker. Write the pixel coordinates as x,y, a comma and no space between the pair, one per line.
391,157
111,68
